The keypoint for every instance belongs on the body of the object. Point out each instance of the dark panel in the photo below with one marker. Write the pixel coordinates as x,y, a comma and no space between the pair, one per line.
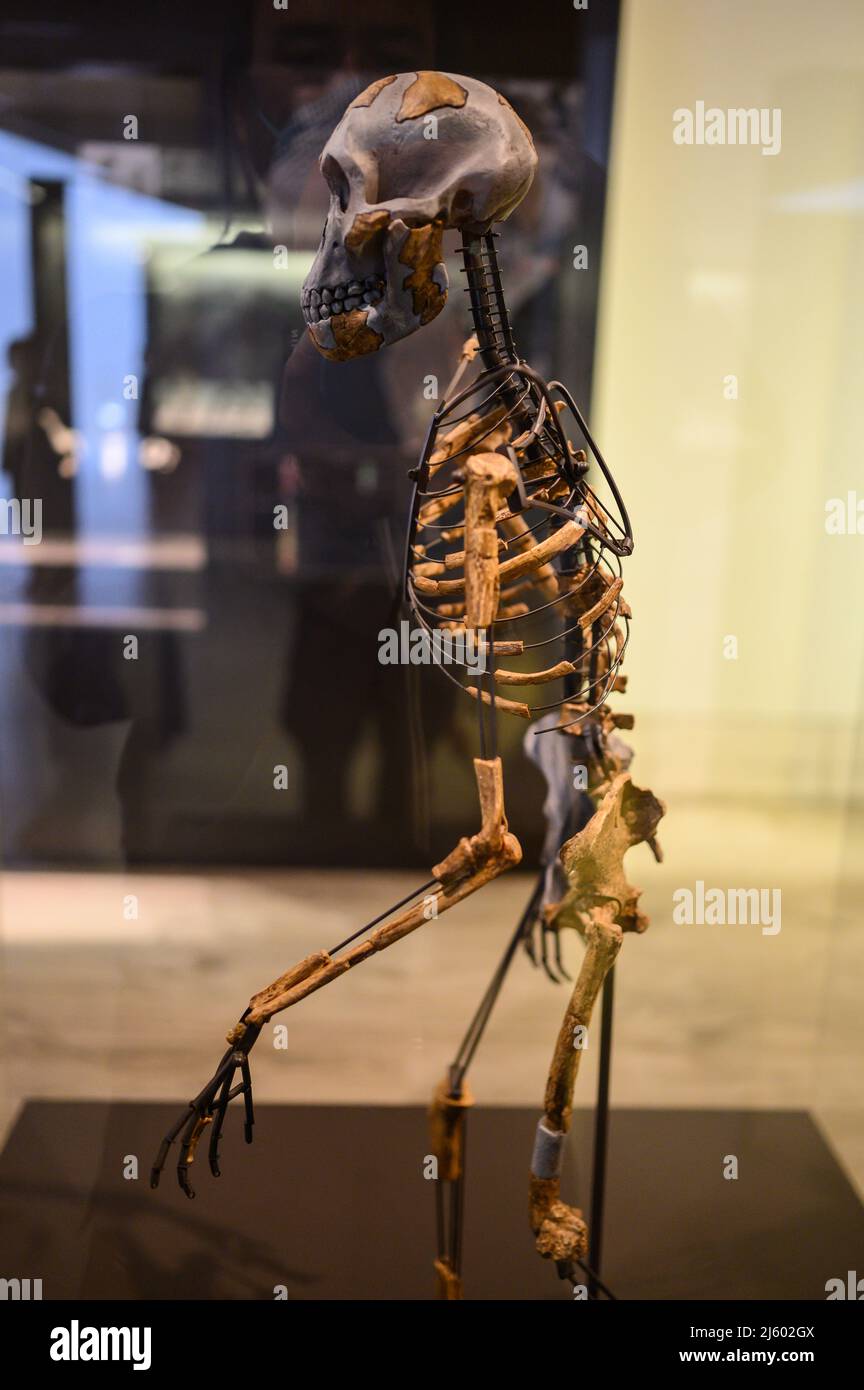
331,1202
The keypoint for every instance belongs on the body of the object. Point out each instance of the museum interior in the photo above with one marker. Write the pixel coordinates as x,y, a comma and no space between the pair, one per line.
207,771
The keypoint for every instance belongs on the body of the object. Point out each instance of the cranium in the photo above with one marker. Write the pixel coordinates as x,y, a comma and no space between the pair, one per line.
412,156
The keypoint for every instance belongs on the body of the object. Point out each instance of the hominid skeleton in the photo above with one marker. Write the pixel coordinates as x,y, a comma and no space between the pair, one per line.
508,545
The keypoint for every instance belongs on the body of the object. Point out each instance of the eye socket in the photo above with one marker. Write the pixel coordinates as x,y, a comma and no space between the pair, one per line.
336,180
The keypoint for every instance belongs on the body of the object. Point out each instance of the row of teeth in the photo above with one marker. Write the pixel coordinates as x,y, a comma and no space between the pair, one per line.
356,294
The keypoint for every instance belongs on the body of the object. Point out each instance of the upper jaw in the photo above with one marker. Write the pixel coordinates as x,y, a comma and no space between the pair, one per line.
322,302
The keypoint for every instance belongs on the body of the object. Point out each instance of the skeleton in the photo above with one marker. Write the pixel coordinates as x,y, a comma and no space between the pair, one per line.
505,536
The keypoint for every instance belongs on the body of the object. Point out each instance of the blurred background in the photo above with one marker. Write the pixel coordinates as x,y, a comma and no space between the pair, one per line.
204,770
161,206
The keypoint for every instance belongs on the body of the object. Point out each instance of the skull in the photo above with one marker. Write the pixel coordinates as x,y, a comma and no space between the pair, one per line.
412,156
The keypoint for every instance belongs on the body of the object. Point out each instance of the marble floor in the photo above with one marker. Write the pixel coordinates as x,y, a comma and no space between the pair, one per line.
121,985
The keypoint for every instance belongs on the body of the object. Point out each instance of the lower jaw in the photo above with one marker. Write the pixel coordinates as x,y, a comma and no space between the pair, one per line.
345,336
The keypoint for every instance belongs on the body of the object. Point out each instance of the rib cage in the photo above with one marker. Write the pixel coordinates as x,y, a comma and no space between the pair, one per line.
561,605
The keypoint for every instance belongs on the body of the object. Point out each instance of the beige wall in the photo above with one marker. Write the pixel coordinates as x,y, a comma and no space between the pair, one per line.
721,260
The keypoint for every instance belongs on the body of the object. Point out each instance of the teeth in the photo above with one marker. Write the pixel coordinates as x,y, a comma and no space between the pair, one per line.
327,303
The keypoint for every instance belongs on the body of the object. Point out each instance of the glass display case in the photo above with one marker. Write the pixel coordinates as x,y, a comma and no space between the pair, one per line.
207,772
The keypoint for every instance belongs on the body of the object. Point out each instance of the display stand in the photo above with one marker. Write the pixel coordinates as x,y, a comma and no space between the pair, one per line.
331,1203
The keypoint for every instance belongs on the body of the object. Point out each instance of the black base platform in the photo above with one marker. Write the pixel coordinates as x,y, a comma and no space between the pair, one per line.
332,1203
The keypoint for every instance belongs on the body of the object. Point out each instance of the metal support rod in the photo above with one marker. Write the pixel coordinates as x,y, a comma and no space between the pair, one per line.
450,1214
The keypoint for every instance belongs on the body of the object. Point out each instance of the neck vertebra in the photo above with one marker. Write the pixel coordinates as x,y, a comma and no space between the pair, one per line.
488,310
